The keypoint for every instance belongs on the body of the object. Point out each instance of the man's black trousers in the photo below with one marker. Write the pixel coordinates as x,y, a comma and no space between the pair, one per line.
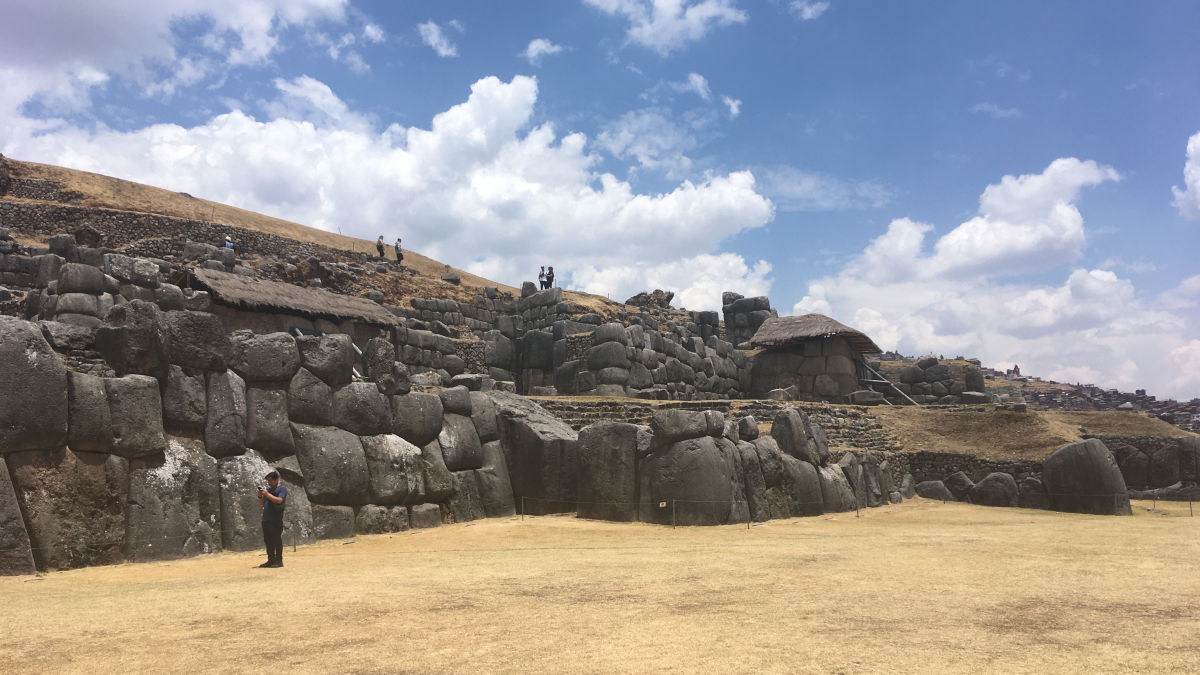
273,536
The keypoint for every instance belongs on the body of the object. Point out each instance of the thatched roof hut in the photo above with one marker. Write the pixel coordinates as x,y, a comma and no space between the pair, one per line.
787,331
260,295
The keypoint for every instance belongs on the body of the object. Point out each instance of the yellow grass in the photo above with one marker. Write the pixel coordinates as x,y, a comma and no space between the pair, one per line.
920,587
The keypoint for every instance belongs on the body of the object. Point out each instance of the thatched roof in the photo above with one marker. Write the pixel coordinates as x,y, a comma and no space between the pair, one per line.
784,331
272,296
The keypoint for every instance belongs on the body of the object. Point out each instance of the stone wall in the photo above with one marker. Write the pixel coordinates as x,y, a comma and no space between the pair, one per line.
1149,462
744,316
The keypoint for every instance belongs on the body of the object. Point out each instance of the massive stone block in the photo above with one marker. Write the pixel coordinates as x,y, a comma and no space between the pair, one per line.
959,484
465,504
241,514
770,460
996,489
754,486
608,480
16,556
836,494
494,484
375,519
90,420
310,400
73,504
417,417
196,340
174,507
456,400
135,339
334,464
935,489
267,428
460,444
225,427
329,357
695,478
439,484
672,425
422,516
264,358
77,278
541,454
798,437
395,470
185,400
136,409
33,389
333,522
607,355
361,409
803,487
1083,477
484,417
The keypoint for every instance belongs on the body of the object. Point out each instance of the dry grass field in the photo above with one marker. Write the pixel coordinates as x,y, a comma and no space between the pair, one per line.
919,587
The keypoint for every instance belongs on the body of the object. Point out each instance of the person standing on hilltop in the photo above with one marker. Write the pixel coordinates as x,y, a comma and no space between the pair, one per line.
550,277
399,254
542,278
379,246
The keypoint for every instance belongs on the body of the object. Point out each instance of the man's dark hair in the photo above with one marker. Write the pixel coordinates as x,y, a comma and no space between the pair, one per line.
273,474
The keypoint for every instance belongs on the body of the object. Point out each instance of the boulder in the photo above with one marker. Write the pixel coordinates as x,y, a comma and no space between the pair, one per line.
241,514
935,489
135,339
959,484
465,504
16,555
374,519
310,400
77,303
174,507
135,406
608,481
671,425
607,355
693,477
417,417
747,428
185,400
395,470
73,505
996,489
1031,494
770,460
225,427
379,361
334,465
790,430
456,400
754,486
196,340
33,389
267,428
422,516
836,494
77,278
541,454
493,483
90,420
803,487
329,357
1083,477
359,408
908,486
439,484
333,522
484,417
461,449
264,358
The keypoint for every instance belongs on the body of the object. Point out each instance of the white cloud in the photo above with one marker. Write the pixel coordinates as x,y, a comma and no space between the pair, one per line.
795,190
670,25
520,195
539,48
807,10
373,33
433,36
995,110
57,57
694,84
652,137
1138,266
1094,327
734,105
1187,200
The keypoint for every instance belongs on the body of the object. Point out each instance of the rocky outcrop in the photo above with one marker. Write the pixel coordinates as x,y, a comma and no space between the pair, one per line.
1084,477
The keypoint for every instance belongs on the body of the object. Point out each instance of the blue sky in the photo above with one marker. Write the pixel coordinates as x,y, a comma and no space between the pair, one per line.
1012,181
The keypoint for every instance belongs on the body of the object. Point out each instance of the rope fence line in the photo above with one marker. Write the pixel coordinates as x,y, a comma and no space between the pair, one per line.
292,527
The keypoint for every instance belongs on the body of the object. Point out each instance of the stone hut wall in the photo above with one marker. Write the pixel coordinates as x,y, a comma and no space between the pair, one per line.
819,369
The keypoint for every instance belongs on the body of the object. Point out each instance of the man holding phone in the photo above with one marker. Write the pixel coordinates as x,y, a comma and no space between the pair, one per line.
272,499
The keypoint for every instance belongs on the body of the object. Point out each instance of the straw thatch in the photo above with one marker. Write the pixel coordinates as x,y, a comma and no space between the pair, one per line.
260,295
786,331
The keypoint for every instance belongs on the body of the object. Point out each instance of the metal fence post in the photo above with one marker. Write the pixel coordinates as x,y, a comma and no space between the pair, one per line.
522,507
672,514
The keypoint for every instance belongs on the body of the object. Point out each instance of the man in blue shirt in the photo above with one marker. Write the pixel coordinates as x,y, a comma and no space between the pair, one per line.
273,499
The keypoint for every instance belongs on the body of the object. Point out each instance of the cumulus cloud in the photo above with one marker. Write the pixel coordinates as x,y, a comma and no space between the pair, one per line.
478,187
539,48
995,110
56,57
1187,200
1093,327
652,137
694,84
433,36
667,26
807,10
795,190
734,105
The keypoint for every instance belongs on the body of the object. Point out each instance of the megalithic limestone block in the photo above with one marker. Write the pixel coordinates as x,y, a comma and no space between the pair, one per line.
33,389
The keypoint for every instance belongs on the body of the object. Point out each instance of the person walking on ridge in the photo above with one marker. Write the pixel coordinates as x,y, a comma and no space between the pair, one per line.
379,246
542,278
399,254
550,278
